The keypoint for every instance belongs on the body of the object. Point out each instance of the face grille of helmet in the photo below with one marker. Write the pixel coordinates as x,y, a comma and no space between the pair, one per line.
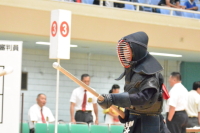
124,53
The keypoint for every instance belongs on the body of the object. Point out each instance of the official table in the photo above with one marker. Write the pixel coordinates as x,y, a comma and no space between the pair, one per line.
193,130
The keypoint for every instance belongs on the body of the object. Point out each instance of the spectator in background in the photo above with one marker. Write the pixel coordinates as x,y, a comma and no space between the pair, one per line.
111,117
109,4
78,1
82,103
193,107
176,115
191,5
39,113
171,3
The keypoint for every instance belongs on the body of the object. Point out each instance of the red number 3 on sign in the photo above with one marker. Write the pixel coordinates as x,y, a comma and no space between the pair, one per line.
64,29
54,28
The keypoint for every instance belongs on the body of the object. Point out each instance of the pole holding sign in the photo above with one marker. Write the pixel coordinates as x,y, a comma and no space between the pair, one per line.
60,34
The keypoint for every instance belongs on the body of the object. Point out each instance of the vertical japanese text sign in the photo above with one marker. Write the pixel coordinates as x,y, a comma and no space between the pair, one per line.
60,33
10,86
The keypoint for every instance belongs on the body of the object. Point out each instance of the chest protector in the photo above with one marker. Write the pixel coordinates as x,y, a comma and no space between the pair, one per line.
140,82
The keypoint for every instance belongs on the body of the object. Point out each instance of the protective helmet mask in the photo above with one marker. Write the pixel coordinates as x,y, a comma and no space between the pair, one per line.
125,53
134,57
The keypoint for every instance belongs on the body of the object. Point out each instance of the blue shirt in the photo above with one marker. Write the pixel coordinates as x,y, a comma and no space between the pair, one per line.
189,5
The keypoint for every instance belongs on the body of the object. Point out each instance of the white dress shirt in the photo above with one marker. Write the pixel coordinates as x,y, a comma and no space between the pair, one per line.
178,97
77,98
193,106
34,114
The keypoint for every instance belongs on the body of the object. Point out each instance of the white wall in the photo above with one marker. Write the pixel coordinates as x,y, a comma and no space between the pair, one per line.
42,77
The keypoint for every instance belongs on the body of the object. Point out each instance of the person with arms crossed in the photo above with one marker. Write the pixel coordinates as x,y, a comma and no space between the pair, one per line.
176,115
193,106
82,103
171,3
39,113
191,5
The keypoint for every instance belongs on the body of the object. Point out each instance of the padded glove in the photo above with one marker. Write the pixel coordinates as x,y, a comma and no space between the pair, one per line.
125,119
107,102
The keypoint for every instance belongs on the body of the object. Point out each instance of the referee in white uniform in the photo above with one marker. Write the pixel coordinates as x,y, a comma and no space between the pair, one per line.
39,113
193,107
176,115
82,103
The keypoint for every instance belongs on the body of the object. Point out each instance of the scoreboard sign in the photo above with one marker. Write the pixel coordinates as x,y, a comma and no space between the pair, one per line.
60,33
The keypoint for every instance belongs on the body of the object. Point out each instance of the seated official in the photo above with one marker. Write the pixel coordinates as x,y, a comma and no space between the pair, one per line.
171,3
39,113
191,5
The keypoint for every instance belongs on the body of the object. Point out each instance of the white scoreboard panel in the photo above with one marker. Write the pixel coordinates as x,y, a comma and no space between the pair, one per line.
1,95
10,86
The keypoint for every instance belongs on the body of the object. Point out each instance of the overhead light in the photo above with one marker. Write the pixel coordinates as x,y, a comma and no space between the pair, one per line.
48,43
72,45
43,43
165,54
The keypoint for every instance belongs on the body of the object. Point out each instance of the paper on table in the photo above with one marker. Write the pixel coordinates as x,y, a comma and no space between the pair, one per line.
195,127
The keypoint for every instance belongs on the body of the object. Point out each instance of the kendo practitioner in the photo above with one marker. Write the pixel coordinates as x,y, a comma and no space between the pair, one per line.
142,96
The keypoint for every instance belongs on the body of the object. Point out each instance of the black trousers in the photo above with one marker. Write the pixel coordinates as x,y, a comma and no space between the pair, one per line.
178,123
84,116
32,130
192,121
136,125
